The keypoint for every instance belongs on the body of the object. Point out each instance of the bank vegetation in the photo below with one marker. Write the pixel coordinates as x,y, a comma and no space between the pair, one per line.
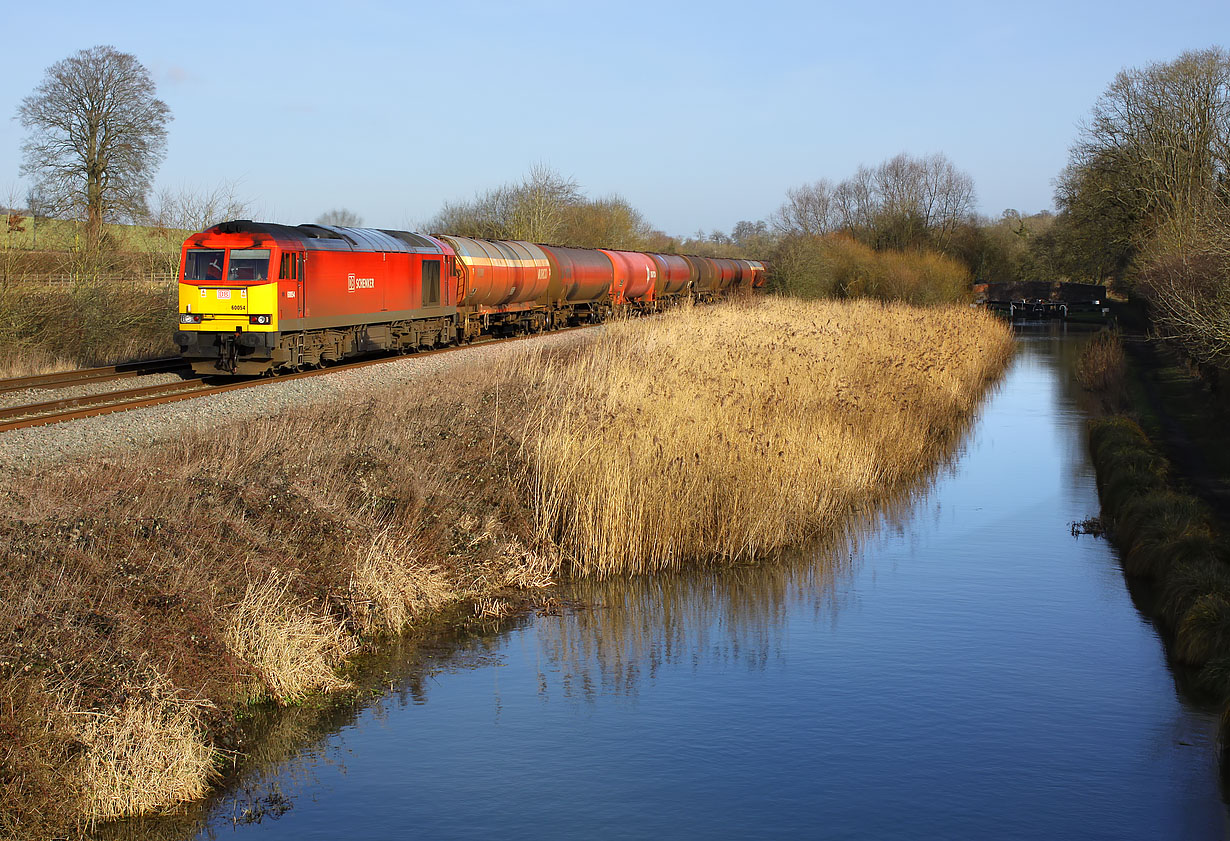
1161,469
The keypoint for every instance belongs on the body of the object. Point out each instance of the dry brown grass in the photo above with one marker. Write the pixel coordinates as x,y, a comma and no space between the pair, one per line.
1101,369
44,329
148,752
727,432
388,590
293,649
837,266
244,562
29,362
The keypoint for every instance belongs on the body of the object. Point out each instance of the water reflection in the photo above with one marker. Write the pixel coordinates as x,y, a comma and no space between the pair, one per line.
729,618
284,750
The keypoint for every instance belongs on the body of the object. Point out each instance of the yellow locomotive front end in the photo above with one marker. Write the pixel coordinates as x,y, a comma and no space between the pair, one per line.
228,305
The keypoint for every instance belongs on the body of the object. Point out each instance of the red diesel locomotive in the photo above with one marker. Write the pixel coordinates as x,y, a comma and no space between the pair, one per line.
259,298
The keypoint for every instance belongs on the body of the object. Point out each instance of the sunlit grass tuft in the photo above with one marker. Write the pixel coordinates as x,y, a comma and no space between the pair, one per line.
293,648
147,752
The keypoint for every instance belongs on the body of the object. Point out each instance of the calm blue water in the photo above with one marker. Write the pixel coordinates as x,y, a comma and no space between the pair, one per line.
967,669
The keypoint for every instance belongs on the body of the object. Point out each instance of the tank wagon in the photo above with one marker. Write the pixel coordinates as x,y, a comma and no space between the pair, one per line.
260,298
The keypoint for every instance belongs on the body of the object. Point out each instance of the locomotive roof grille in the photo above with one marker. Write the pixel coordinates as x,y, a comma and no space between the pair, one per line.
331,238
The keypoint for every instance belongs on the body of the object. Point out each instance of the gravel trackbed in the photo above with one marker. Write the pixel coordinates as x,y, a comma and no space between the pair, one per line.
138,428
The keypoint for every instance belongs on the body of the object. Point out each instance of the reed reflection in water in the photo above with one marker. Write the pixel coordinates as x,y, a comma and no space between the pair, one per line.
626,631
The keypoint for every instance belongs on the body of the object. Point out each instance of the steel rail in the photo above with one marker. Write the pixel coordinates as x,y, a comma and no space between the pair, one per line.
68,403
83,376
138,401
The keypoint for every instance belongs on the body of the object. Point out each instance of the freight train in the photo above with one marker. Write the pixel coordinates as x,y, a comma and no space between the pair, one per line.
261,298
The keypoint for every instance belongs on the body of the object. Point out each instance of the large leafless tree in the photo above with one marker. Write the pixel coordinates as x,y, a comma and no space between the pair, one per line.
97,135
1157,146
904,201
1149,181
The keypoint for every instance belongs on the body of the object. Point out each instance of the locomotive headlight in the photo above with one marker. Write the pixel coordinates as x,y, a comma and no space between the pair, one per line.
258,319
189,318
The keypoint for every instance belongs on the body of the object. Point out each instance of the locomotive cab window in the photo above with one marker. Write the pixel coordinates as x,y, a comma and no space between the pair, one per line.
289,269
203,265
249,264
431,282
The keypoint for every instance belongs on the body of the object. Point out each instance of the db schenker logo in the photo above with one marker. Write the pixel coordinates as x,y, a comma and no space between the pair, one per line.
353,283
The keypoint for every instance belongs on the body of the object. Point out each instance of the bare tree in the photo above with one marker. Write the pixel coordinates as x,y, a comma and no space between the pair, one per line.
947,197
905,201
929,194
184,209
188,209
809,209
340,217
601,223
1157,149
535,209
39,208
855,201
98,134
1190,294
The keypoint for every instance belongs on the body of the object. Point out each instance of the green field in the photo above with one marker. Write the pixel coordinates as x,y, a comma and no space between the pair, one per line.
29,234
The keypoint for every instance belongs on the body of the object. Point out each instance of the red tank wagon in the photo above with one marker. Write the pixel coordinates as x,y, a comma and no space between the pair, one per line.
676,276
636,277
753,273
707,276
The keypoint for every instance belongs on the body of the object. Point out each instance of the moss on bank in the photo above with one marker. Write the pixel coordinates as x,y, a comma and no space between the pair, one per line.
1164,510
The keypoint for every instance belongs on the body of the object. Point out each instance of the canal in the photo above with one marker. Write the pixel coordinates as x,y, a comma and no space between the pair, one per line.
963,667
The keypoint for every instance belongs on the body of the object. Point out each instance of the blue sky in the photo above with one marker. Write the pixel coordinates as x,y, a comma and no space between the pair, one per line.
699,114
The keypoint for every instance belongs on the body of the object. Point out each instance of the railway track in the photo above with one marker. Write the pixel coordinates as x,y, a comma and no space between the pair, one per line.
73,408
84,376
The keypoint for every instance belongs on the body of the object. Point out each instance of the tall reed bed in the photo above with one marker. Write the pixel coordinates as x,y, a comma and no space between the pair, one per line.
727,432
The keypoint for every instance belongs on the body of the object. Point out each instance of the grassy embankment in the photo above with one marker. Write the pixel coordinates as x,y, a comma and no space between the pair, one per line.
1166,514
47,237
118,306
146,599
46,329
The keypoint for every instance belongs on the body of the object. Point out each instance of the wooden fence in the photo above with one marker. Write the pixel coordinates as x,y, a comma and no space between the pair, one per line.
139,280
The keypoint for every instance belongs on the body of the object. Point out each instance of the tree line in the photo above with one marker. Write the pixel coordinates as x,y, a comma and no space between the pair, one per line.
98,134
1145,198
